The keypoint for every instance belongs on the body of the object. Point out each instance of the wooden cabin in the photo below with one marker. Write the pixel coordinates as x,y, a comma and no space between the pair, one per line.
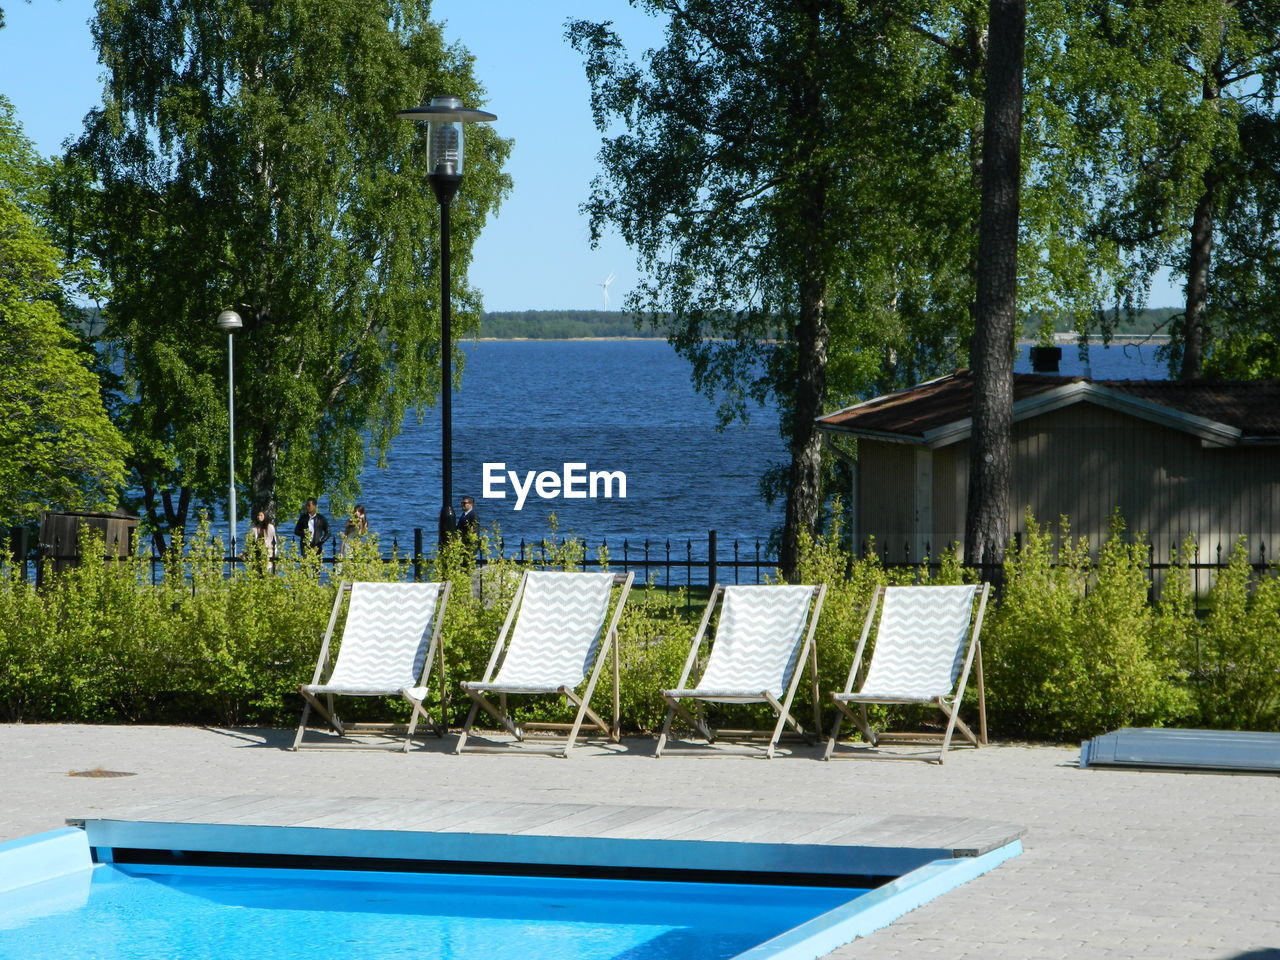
60,536
1176,458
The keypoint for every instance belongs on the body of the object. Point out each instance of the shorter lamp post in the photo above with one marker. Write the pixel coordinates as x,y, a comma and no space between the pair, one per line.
445,117
229,321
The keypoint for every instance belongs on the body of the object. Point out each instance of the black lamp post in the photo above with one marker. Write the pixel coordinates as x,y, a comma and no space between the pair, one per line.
230,321
445,117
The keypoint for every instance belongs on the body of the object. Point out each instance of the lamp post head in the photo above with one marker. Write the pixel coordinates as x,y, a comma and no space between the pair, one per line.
229,321
445,118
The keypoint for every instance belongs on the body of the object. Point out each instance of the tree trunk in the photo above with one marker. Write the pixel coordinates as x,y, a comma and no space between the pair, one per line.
1202,224
804,480
262,473
990,448
1194,329
811,335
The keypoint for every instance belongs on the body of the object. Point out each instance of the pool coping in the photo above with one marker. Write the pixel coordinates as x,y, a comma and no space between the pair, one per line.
634,835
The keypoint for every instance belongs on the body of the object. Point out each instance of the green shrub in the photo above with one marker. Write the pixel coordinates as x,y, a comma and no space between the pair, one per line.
1074,648
1236,666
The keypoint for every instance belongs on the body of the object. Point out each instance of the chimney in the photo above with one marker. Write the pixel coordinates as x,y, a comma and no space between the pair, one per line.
1045,359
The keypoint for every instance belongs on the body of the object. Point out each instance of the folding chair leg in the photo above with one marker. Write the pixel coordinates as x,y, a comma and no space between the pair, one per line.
953,721
584,710
666,729
835,731
330,716
302,724
784,718
865,725
597,721
418,710
466,727
859,720
478,702
696,722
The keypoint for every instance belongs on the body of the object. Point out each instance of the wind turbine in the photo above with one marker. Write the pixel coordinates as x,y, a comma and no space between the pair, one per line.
604,288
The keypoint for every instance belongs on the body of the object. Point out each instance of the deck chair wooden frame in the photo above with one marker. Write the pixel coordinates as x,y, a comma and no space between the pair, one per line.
415,694
480,691
948,702
805,659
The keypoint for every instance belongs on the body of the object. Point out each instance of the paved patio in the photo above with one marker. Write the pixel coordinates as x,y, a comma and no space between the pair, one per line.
1117,864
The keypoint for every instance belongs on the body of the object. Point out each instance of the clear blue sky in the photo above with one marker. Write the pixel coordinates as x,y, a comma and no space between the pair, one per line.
536,254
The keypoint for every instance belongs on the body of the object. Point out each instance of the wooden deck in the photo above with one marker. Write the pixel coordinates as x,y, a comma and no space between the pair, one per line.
576,833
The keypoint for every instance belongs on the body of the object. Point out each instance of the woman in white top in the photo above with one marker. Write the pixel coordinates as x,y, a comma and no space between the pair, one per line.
264,531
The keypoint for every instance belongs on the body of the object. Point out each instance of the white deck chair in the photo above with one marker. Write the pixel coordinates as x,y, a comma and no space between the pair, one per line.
760,646
389,642
927,642
559,635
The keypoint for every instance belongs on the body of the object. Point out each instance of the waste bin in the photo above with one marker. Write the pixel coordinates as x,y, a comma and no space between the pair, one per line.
60,537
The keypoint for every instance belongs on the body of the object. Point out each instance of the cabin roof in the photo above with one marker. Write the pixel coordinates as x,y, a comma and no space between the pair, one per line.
937,413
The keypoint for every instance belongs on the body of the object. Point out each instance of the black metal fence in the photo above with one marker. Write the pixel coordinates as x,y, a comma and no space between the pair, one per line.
691,562
670,563
1202,565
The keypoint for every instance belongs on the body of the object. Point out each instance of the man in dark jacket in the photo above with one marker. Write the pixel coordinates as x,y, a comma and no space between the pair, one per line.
312,529
469,524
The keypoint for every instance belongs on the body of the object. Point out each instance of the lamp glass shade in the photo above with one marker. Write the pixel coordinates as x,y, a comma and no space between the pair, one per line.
444,150
229,321
445,118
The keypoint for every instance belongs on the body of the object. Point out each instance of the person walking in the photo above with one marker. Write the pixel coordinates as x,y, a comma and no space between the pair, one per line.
357,527
262,537
312,529
468,525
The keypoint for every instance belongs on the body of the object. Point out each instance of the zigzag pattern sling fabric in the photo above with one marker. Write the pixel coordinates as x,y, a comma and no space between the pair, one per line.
920,645
758,640
557,631
385,639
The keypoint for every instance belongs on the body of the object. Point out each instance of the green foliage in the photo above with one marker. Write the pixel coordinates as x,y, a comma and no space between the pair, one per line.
1237,649
60,449
249,156
1244,297
1074,648
1181,95
654,639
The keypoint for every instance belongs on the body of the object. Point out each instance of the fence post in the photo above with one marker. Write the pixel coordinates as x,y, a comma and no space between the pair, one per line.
417,554
711,558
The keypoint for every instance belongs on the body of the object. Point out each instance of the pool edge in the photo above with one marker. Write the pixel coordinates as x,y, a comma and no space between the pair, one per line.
879,908
43,856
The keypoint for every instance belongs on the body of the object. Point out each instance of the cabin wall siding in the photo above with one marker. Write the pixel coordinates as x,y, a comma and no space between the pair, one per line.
1084,462
886,495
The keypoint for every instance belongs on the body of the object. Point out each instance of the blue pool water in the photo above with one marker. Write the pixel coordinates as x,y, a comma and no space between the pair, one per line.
132,912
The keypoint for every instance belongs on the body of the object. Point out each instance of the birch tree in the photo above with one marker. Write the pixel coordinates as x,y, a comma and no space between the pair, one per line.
247,156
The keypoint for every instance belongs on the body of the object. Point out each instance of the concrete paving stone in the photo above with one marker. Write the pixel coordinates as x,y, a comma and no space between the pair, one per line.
1172,866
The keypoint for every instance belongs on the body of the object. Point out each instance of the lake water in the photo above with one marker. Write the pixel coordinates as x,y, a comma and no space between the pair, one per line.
614,405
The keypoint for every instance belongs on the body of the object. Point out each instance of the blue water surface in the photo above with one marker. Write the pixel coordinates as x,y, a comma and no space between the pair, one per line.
615,405
173,913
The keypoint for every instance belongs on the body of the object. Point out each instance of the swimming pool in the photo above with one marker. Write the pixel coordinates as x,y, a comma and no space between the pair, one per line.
160,912
164,890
